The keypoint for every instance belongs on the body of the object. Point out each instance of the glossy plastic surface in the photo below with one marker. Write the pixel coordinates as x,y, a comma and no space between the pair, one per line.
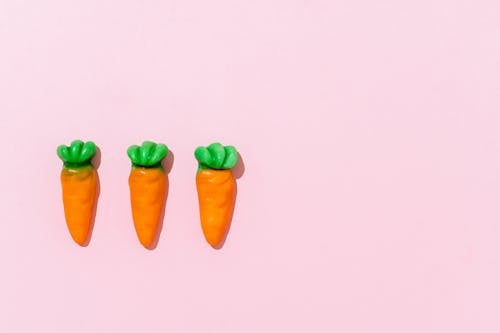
148,184
216,156
216,189
79,183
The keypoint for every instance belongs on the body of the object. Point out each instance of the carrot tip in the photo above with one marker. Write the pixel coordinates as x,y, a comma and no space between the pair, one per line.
80,240
214,242
147,245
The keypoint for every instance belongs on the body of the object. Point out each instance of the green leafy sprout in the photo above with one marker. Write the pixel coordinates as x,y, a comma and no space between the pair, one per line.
148,155
77,154
216,156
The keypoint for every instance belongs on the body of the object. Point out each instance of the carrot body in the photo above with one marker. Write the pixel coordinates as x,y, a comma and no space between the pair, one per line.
79,190
148,187
216,196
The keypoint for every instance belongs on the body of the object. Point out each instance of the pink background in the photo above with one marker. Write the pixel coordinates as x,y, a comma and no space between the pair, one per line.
370,136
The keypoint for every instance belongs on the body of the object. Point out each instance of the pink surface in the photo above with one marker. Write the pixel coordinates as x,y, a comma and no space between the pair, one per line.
370,136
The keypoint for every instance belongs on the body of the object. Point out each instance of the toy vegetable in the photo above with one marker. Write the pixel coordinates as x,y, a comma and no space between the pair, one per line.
216,189
79,187
148,186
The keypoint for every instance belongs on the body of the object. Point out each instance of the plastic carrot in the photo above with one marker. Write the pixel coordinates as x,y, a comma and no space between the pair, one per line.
216,189
79,187
148,186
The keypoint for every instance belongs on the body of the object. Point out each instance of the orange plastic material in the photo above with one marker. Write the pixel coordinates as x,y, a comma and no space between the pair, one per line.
79,188
148,187
216,196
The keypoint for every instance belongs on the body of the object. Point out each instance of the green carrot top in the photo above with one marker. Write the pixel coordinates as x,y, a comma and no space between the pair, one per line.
216,156
148,155
77,154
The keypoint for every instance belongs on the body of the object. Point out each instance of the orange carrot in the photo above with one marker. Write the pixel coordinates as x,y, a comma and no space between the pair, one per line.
148,187
216,188
79,188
